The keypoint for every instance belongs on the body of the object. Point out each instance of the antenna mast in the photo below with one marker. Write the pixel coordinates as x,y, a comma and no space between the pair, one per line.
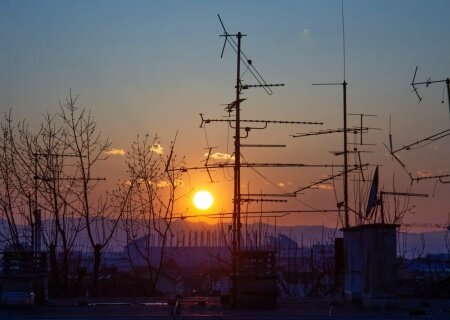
237,155
345,129
345,152
239,86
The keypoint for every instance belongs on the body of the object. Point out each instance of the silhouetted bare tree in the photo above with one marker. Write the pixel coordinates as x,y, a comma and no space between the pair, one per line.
56,193
13,206
85,142
148,199
33,177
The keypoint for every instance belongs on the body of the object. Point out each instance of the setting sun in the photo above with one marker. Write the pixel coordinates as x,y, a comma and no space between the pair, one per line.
203,200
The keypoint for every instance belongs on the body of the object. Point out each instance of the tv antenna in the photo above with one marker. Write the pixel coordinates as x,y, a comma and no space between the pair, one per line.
248,63
360,130
427,83
344,129
242,129
242,132
416,145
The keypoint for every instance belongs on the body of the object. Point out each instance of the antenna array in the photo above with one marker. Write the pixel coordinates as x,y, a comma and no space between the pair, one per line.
427,83
242,132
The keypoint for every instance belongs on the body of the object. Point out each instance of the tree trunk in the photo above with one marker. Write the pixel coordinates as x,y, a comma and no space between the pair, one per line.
65,274
96,271
54,274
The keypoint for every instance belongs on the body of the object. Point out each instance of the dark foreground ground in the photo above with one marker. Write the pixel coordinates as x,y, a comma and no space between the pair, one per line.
201,308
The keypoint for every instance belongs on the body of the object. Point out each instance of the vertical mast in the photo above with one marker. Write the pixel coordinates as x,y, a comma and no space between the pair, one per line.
347,223
237,173
236,105
237,161
344,87
447,82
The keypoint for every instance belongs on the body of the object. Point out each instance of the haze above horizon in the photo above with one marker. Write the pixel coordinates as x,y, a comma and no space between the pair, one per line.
153,66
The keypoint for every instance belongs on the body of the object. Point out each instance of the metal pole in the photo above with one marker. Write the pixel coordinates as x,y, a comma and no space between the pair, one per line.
238,144
347,223
447,82
237,175
34,225
361,127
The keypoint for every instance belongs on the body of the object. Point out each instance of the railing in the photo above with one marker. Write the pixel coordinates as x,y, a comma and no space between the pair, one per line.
17,263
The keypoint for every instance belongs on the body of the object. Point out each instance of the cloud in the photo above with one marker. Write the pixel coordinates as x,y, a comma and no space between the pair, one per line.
323,186
142,181
115,152
283,184
220,156
423,173
157,148
163,184
306,35
160,184
127,183
179,182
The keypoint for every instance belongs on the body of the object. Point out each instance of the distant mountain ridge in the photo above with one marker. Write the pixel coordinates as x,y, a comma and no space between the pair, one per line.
410,244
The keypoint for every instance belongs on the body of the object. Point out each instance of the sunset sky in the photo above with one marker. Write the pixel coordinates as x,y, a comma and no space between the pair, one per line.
153,66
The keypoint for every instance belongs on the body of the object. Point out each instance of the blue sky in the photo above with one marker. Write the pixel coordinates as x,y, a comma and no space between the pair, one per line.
152,66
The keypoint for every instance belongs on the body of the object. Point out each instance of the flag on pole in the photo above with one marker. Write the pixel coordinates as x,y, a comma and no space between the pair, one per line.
373,193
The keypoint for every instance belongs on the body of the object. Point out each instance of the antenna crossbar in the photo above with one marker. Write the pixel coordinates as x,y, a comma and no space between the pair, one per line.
431,177
427,83
256,214
340,153
362,114
328,131
263,145
248,86
230,121
68,179
281,195
259,165
408,194
261,200
429,139
329,84
357,167
289,165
